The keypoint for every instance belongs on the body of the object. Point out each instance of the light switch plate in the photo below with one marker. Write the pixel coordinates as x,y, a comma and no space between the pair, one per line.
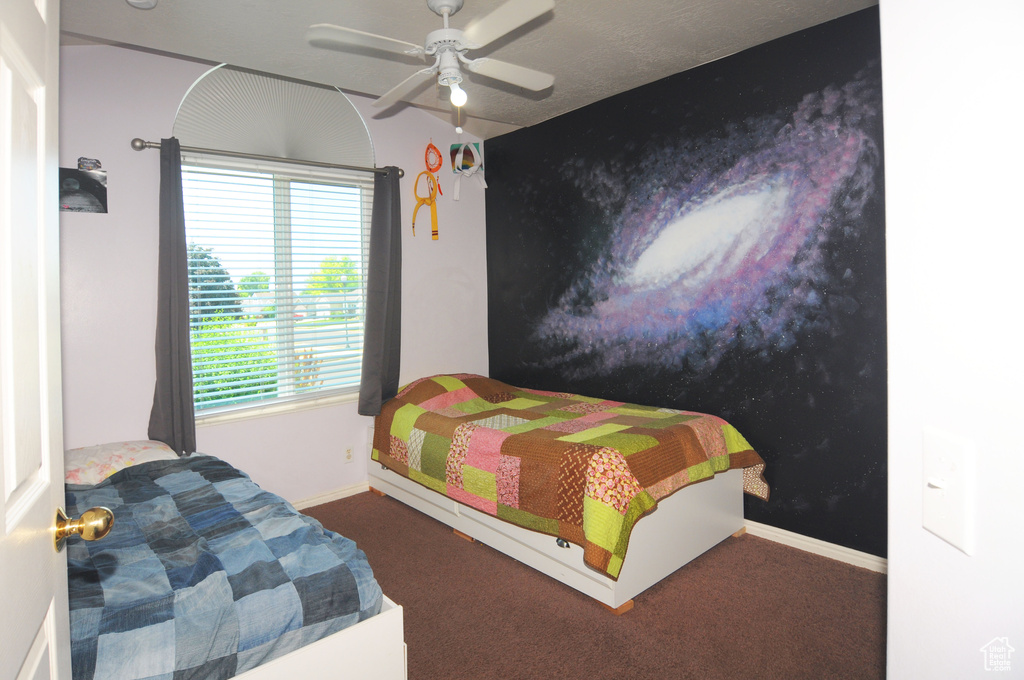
949,488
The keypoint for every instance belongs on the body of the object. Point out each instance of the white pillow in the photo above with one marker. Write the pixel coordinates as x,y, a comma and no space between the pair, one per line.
92,464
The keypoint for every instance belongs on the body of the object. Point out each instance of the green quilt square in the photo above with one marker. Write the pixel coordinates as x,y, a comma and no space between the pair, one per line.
669,421
405,420
593,433
480,483
434,455
558,415
477,405
438,485
523,403
528,520
700,471
638,410
541,398
624,443
641,504
448,382
719,463
529,425
734,441
602,524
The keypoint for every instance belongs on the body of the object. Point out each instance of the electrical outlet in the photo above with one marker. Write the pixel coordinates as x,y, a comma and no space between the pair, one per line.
348,454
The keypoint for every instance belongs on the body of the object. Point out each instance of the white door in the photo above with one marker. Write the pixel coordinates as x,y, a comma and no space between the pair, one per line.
34,637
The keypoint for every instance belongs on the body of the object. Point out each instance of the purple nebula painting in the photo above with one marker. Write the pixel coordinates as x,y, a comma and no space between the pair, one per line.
731,254
715,241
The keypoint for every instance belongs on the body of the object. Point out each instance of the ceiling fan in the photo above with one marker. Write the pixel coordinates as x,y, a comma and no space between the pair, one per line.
448,47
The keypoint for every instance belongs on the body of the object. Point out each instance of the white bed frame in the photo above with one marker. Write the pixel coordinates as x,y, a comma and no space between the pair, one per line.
684,525
374,648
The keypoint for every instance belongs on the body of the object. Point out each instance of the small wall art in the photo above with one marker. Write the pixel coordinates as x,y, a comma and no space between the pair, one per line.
84,189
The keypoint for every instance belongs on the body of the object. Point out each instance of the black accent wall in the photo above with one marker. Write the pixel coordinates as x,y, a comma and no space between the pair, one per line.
715,241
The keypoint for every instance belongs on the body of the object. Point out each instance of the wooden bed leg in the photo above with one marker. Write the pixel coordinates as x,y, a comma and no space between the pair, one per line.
462,535
739,533
621,609
378,492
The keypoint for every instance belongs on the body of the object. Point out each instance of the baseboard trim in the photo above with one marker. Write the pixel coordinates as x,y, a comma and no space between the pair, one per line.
335,495
818,547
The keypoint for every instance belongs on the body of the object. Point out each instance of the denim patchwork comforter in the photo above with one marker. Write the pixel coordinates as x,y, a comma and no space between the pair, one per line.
204,575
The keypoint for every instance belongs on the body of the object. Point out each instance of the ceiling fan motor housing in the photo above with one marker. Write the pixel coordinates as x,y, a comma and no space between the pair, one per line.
445,39
448,72
447,43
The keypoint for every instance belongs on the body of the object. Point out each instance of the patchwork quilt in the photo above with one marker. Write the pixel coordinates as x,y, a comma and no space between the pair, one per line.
575,467
204,575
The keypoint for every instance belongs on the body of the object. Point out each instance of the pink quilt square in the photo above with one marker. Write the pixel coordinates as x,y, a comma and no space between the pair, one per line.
507,481
596,417
485,448
481,504
569,426
448,398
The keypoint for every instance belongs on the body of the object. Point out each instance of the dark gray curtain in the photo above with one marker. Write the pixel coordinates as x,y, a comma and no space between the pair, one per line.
172,419
382,337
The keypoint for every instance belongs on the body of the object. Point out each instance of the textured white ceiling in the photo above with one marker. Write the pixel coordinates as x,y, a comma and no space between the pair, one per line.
594,48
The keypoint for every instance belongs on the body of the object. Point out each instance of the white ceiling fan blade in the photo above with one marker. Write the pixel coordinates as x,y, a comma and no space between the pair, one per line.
510,73
333,37
504,19
404,88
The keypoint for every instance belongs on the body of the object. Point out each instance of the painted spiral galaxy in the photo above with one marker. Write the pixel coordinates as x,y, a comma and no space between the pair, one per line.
720,242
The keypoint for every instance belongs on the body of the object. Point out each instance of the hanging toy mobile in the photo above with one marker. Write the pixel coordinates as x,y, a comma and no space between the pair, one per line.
434,161
429,200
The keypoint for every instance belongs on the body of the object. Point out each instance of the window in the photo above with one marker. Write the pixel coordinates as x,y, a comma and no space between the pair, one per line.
277,271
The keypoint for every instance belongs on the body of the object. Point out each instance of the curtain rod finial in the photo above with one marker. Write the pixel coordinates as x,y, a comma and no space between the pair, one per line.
138,144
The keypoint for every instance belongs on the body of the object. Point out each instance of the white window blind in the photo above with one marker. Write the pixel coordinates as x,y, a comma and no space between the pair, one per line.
277,270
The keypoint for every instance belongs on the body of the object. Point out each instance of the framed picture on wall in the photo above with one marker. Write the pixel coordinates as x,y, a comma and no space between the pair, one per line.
83,190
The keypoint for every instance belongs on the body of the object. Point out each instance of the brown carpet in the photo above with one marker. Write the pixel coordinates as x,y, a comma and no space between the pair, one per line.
748,608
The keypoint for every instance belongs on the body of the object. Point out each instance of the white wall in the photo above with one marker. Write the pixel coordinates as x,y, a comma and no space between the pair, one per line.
953,150
444,299
108,277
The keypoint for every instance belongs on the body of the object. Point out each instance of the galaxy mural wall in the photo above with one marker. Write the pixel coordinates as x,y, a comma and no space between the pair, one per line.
715,241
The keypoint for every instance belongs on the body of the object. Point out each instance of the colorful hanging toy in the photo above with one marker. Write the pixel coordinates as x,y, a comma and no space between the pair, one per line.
434,161
429,200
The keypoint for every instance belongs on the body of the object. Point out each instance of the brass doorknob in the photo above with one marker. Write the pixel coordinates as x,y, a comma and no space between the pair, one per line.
94,524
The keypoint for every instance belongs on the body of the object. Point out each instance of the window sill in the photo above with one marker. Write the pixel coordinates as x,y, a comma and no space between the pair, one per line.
277,408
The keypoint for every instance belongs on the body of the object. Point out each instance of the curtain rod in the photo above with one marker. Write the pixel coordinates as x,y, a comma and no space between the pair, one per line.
139,144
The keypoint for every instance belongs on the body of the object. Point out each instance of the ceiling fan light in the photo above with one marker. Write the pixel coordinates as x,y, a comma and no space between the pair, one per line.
458,96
